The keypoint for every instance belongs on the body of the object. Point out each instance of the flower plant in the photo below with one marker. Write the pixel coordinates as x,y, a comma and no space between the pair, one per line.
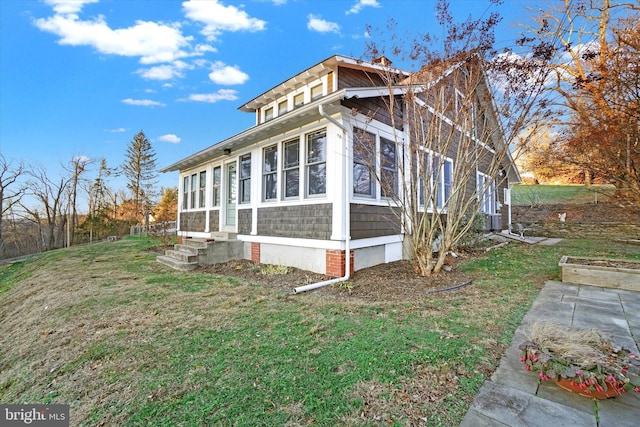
586,358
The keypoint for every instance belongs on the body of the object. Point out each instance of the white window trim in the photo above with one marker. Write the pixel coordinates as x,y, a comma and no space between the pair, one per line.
441,180
264,174
374,185
485,191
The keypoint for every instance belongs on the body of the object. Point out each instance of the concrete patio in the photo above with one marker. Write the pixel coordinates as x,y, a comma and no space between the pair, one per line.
515,397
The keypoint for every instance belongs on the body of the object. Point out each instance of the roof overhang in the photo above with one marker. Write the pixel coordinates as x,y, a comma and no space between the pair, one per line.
313,73
279,125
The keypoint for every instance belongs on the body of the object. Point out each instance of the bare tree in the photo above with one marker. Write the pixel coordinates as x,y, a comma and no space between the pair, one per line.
10,191
457,152
77,166
49,216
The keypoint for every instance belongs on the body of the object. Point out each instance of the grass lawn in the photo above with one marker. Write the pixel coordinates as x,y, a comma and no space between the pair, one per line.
126,341
528,195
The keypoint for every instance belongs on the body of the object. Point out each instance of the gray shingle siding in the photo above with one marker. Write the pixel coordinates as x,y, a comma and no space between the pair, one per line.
297,221
373,221
192,221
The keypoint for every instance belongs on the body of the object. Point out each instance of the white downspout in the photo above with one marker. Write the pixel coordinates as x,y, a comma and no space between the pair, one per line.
347,208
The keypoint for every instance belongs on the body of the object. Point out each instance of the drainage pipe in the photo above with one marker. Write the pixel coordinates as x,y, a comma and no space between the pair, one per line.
347,208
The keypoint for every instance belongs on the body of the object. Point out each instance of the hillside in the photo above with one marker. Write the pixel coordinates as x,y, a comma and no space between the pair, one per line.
126,341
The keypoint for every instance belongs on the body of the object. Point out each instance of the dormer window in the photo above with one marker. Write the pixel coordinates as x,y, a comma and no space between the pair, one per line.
316,92
298,100
268,114
282,107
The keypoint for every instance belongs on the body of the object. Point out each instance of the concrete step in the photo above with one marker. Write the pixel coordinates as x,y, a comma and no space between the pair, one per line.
194,250
176,263
195,243
220,235
186,256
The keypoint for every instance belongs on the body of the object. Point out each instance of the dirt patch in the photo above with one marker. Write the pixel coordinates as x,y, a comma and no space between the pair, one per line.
393,281
611,263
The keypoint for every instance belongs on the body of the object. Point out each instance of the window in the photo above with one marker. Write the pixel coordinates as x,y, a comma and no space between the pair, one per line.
316,92
298,100
217,178
185,193
245,178
440,172
389,168
282,107
194,182
201,189
459,101
486,194
364,162
291,169
270,173
316,164
268,114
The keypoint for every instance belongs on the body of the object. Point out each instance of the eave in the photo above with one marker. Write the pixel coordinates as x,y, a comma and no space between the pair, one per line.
278,126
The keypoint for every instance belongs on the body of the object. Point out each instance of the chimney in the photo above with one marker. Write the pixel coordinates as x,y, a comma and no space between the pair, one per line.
382,60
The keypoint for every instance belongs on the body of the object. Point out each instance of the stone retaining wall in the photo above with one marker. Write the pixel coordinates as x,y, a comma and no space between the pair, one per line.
590,221
585,230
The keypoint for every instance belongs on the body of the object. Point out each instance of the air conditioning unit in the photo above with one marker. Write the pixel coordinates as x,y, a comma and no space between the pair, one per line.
496,222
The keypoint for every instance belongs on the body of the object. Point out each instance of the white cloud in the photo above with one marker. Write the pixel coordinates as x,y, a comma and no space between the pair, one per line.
174,139
143,102
217,18
361,4
318,24
151,41
165,71
221,95
68,6
117,130
81,158
223,74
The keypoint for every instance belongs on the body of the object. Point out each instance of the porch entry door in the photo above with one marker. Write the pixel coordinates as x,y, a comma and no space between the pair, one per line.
230,217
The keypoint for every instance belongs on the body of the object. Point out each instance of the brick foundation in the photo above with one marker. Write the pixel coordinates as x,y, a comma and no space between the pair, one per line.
336,263
255,252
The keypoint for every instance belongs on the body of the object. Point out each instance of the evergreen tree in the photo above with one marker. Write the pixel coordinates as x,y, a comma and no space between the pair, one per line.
140,170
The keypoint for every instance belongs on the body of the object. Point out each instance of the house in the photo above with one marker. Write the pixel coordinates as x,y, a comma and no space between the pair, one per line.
292,190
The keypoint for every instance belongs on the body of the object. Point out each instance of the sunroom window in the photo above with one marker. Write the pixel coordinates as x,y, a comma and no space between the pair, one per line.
201,189
185,193
389,168
217,178
270,173
194,182
245,178
364,166
316,163
291,168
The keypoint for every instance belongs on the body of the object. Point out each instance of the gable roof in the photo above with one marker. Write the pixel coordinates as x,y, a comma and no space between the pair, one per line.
330,103
313,73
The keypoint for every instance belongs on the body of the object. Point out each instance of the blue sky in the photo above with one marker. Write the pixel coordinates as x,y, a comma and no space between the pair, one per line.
82,77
